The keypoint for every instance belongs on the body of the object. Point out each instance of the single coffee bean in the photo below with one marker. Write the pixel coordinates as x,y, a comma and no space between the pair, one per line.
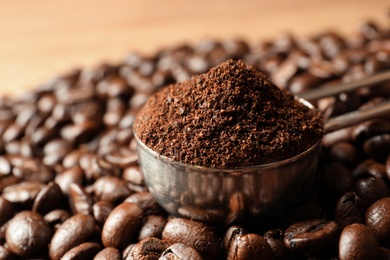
48,198
378,147
79,200
346,153
249,246
369,168
149,248
371,190
5,166
194,234
83,251
56,217
378,218
358,241
101,211
153,226
27,234
134,175
111,189
74,231
311,236
122,225
13,132
108,253
231,233
72,175
80,133
179,251
349,209
23,193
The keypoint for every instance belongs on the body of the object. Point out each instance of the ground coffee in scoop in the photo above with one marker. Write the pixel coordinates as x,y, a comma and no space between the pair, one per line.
229,117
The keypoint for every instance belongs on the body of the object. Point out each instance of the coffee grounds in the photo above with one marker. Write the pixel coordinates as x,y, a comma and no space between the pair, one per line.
229,117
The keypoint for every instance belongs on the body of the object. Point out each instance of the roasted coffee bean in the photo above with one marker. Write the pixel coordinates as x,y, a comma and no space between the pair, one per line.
8,181
56,217
378,218
146,201
249,246
101,211
349,209
23,193
231,233
74,231
283,74
108,253
80,133
194,234
153,226
27,234
5,166
358,242
346,153
311,236
79,200
111,189
378,147
116,107
149,248
126,254
122,225
369,168
13,132
83,251
48,198
303,82
72,175
134,175
371,190
179,251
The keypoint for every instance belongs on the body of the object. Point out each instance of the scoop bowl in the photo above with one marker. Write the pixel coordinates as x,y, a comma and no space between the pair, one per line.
227,195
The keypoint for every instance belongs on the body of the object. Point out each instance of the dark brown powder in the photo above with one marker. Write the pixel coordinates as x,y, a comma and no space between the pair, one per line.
229,117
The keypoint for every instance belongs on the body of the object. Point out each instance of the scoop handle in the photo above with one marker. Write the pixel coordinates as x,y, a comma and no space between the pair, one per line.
332,89
357,116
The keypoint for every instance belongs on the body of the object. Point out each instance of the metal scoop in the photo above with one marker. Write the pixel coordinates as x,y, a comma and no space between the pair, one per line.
228,195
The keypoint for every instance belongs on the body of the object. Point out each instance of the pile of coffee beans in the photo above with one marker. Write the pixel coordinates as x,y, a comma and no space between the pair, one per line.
71,187
229,117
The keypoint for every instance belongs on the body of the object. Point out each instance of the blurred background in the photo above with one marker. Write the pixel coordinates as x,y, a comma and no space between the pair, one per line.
41,38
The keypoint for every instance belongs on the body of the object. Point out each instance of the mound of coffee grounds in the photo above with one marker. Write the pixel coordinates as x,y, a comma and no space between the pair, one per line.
229,117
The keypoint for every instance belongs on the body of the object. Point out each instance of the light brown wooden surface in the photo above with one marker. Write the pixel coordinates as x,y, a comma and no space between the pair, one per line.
43,37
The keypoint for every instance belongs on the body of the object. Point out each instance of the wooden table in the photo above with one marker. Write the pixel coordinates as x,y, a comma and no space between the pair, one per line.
41,38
